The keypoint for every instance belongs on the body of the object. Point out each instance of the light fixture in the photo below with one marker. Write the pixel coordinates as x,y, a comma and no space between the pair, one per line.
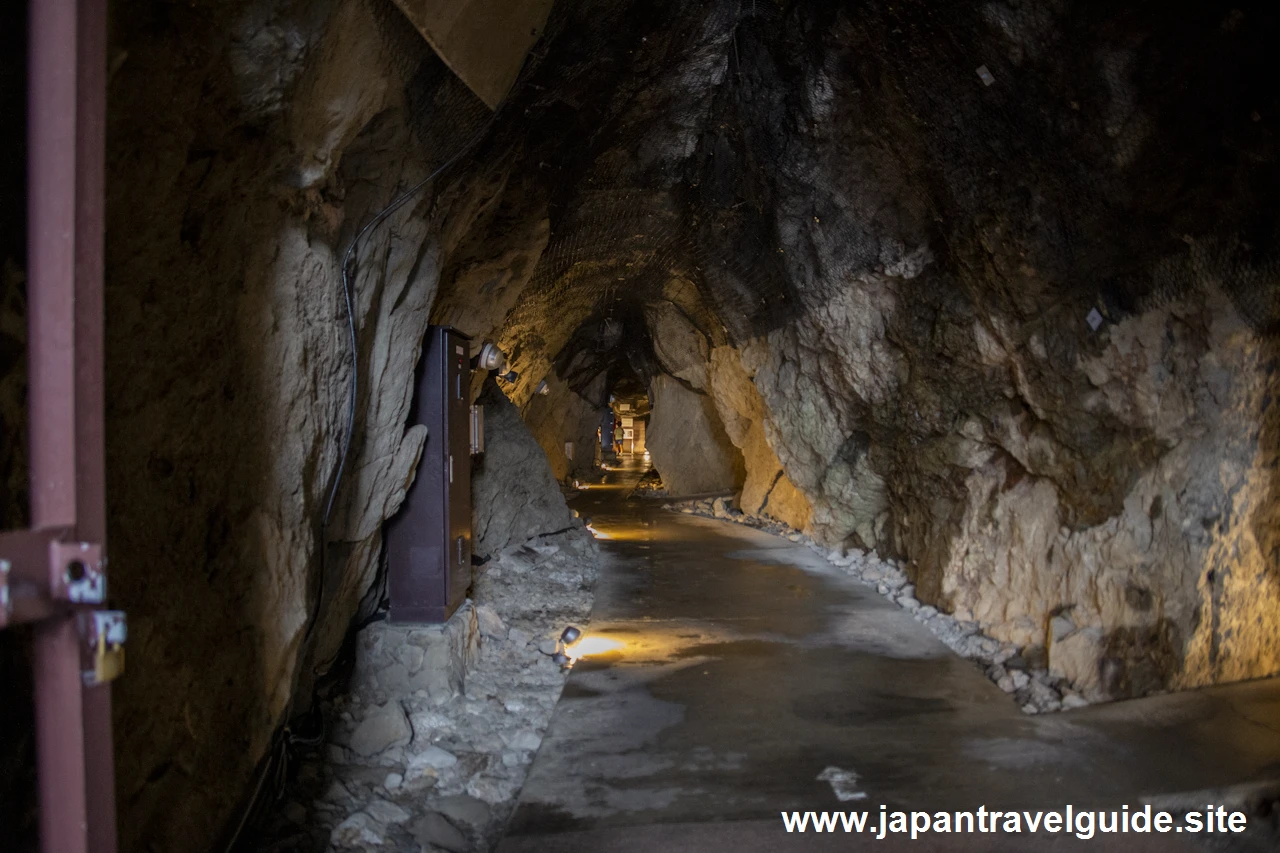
510,376
543,388
491,358
568,637
592,646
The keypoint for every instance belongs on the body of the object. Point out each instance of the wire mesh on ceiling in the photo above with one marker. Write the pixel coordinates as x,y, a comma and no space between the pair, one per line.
659,133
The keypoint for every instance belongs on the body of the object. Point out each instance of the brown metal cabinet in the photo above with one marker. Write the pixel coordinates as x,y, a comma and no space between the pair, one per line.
429,539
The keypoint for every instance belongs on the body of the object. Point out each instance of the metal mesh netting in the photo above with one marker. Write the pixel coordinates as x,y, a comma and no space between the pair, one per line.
1125,157
444,115
653,199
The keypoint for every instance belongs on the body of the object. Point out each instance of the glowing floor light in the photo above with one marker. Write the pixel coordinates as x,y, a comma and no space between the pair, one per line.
591,646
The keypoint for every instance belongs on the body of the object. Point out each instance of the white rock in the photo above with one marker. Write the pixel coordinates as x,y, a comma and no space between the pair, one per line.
383,728
1074,700
525,740
429,722
386,812
357,829
1020,679
492,789
928,611
433,757
518,637
1075,658
393,781
411,656
491,624
1060,627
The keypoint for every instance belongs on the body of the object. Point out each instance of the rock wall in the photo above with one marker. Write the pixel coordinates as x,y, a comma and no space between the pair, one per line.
687,442
945,393
561,416
248,142
513,491
766,490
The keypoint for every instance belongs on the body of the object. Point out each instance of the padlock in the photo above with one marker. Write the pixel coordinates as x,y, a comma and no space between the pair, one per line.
105,633
108,660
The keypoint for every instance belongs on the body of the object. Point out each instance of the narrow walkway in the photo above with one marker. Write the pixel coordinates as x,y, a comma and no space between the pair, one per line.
747,667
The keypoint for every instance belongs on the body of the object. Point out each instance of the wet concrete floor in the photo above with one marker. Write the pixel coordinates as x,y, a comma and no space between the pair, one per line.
746,667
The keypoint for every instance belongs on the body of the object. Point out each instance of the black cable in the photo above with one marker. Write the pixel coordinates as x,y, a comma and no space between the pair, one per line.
277,757
354,390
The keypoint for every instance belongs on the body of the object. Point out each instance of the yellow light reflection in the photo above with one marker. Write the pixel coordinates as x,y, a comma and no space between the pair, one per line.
591,646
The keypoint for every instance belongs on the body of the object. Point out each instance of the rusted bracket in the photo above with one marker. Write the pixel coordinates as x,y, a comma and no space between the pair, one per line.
44,571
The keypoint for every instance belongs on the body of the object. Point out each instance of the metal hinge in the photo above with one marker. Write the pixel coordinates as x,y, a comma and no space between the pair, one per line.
39,571
78,570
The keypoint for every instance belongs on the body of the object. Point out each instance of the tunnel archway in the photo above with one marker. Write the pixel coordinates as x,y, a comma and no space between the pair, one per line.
979,302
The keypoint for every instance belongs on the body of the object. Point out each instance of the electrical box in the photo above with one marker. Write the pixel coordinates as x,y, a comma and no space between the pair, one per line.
429,540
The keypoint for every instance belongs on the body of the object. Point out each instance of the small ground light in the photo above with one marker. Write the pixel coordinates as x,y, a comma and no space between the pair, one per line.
570,635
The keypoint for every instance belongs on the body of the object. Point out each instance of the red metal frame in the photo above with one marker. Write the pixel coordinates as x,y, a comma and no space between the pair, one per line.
54,574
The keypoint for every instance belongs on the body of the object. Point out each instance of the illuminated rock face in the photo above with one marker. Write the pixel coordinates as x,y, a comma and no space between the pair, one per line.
564,420
688,443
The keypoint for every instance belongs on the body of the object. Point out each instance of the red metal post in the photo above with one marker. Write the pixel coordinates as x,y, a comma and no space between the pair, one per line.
65,309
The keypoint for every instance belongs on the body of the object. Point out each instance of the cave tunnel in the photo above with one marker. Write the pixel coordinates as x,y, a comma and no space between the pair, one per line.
639,425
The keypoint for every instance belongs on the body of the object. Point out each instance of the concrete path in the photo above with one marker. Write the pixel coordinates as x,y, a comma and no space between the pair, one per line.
747,669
